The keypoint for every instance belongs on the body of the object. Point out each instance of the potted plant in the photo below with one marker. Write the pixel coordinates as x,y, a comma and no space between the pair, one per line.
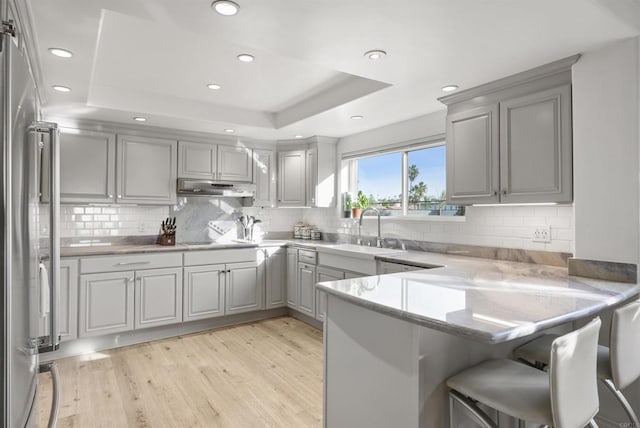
361,203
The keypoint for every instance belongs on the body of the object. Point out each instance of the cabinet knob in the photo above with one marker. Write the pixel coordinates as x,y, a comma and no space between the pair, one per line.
495,193
110,196
119,196
504,192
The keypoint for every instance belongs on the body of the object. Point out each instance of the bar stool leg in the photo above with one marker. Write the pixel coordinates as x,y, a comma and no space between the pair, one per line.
470,406
623,401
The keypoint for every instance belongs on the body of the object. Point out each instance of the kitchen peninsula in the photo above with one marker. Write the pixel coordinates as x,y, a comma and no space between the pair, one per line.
392,340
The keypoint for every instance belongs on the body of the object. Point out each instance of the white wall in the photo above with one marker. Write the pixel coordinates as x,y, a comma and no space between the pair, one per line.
605,147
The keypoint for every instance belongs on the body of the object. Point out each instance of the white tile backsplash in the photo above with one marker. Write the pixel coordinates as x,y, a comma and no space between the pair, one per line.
507,227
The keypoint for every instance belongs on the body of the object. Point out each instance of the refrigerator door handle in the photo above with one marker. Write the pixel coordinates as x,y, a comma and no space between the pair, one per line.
52,367
51,129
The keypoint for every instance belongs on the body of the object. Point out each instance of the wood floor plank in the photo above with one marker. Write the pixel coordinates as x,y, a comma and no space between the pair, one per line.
264,374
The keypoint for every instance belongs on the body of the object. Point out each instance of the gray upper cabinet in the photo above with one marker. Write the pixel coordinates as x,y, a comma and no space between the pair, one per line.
510,141
307,173
312,177
197,160
235,164
146,169
212,161
292,178
535,147
87,167
264,177
473,156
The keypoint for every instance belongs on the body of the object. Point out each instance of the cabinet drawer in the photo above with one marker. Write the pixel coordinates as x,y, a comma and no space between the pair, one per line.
214,257
130,262
307,256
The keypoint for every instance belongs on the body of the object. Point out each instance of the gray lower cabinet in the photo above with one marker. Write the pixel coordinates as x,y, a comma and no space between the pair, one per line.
292,277
306,288
106,303
158,297
146,170
325,274
243,291
68,302
273,260
203,292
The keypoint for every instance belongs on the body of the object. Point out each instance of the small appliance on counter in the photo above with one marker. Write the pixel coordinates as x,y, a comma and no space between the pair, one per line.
168,232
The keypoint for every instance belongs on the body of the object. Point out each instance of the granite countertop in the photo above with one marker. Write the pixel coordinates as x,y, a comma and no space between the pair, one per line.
106,248
486,300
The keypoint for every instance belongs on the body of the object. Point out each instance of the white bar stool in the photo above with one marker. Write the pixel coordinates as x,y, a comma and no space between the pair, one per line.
618,365
565,397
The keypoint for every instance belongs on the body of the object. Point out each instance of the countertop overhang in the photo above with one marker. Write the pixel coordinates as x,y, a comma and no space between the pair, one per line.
489,301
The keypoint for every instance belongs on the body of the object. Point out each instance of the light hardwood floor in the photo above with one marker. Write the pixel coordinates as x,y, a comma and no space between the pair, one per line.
264,374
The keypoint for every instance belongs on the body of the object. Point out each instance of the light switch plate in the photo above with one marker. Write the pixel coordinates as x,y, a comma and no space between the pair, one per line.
541,234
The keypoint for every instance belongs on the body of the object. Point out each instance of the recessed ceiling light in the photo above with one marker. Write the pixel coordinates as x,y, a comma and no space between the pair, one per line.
225,7
214,86
140,119
62,53
246,58
60,88
449,88
229,130
375,54
298,136
357,117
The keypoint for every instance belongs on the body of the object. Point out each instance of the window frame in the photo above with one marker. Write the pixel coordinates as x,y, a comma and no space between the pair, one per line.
352,174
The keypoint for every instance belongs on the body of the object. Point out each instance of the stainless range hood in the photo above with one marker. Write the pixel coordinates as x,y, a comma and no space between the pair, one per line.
198,187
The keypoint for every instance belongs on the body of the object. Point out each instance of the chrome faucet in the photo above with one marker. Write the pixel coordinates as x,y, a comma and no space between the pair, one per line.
379,239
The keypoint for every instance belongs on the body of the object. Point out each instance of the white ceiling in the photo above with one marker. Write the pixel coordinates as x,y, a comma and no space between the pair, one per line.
153,58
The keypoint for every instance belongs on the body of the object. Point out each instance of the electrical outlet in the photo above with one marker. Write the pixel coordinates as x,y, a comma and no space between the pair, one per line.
542,234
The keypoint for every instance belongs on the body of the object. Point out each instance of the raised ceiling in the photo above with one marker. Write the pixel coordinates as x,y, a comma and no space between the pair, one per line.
154,58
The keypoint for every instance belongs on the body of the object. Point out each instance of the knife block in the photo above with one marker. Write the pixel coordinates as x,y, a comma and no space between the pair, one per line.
167,240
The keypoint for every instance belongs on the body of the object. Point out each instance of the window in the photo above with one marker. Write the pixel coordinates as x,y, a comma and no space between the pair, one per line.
410,182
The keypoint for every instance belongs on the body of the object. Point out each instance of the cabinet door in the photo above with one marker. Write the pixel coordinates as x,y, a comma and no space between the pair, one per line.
325,274
106,303
306,288
203,292
197,160
473,171
291,178
275,280
292,277
87,167
146,170
68,302
235,164
264,176
158,297
535,147
243,291
311,176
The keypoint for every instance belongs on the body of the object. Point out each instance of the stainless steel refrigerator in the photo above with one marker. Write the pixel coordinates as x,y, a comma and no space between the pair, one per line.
29,293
